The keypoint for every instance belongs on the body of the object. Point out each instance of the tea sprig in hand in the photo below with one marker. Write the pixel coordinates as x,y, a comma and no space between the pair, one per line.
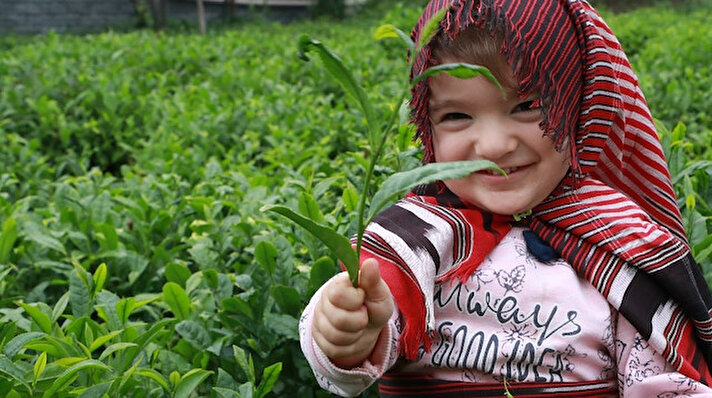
398,183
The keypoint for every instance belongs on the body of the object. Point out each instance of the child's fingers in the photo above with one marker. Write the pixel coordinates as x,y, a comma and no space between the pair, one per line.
342,319
378,300
334,335
341,293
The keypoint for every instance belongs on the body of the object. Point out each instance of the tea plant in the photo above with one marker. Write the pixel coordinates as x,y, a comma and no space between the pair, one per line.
398,183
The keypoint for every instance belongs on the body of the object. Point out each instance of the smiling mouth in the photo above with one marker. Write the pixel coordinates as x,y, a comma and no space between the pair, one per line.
508,170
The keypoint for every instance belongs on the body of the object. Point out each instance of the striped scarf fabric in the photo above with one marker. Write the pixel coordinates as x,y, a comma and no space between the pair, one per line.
614,217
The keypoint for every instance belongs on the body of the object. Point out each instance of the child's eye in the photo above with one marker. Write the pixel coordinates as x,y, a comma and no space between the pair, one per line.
526,106
454,116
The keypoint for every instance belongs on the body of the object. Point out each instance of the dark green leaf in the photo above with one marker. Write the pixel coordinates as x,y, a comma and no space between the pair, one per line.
15,345
115,348
189,382
321,271
283,325
399,183
337,243
237,305
244,363
68,375
79,293
459,70
391,31
350,198
269,376
287,298
7,239
309,208
177,299
40,318
141,342
96,391
194,333
8,368
266,256
336,68
177,273
107,236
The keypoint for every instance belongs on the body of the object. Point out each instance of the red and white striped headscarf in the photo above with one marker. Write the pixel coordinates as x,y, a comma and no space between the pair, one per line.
614,217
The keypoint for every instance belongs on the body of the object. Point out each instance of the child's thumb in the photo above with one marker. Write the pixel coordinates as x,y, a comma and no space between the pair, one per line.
378,300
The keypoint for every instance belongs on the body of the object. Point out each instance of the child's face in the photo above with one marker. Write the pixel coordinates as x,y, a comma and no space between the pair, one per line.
471,121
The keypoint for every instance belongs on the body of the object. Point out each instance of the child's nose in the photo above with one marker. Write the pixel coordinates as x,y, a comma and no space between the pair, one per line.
494,141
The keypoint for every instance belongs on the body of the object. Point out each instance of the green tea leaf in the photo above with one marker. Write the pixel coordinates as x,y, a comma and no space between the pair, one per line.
68,375
8,368
321,271
101,340
79,293
177,300
431,28
287,298
115,348
309,208
97,390
59,308
391,31
223,392
155,376
266,256
211,277
337,243
39,367
124,308
15,345
350,198
190,381
269,377
174,378
244,362
40,318
7,239
459,70
141,342
237,305
43,238
107,237
283,325
99,278
702,249
177,273
343,76
194,333
399,183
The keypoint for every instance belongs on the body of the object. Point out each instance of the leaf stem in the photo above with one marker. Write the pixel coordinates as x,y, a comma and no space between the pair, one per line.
369,175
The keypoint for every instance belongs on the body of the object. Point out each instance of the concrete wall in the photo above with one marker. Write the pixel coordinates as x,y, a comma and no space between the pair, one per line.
42,16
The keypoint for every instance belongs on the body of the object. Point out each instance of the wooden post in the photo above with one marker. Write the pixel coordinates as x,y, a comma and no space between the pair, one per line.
163,13
201,16
230,5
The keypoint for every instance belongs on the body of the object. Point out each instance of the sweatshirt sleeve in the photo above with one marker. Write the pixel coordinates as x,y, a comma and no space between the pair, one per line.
347,382
643,372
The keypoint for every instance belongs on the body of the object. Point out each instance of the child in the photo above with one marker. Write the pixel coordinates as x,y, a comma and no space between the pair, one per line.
589,290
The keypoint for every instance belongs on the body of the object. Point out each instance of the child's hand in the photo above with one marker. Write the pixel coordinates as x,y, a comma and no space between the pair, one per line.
348,320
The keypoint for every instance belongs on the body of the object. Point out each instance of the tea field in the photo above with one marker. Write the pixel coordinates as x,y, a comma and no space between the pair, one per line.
135,255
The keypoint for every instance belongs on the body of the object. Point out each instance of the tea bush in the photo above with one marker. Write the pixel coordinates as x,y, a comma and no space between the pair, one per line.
134,256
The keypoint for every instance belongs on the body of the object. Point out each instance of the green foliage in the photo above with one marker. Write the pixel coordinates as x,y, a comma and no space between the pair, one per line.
134,258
